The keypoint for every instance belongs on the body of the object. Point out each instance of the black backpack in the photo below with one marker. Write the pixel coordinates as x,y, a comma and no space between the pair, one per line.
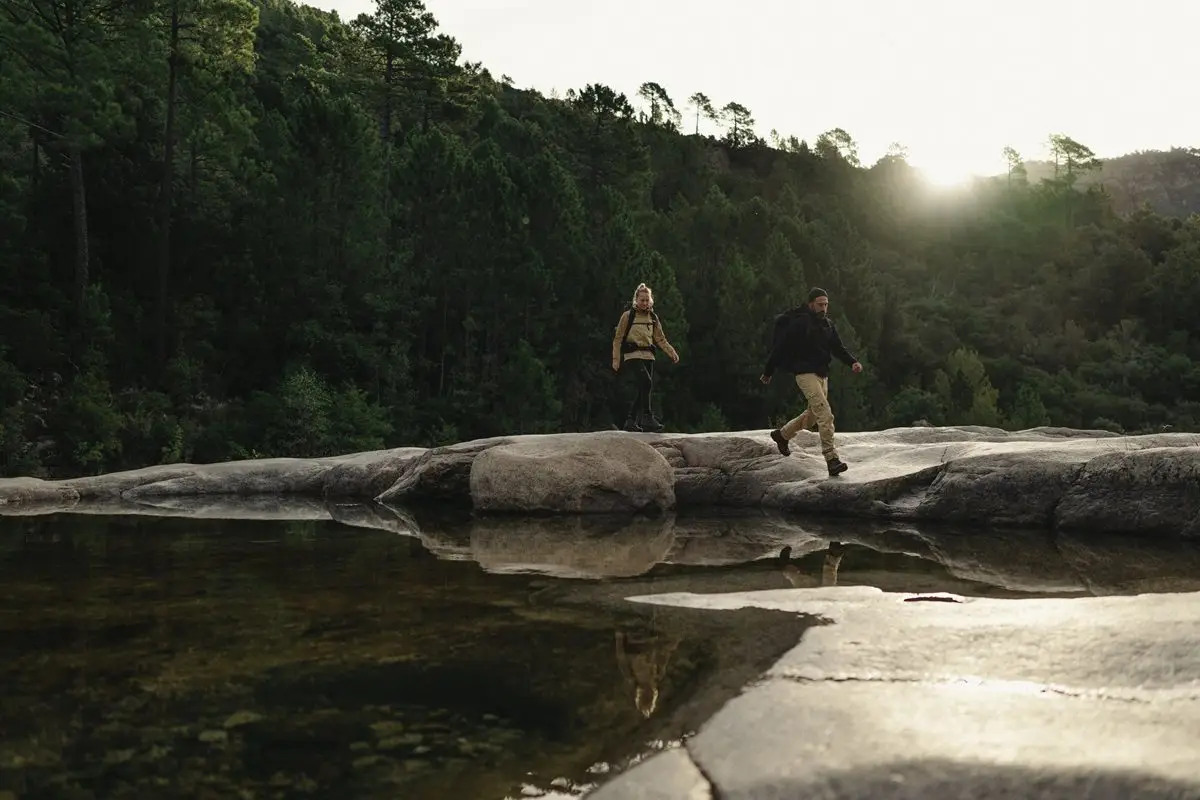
780,325
626,346
781,328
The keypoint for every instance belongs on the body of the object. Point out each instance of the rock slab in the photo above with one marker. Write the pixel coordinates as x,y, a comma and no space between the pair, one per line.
1040,699
1046,478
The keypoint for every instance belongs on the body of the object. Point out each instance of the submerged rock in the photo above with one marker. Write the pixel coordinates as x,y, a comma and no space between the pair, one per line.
1043,477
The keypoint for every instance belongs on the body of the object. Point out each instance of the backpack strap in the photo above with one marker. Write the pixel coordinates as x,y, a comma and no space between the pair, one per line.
628,315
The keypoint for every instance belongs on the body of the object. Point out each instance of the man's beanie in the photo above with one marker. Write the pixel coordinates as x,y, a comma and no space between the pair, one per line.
814,293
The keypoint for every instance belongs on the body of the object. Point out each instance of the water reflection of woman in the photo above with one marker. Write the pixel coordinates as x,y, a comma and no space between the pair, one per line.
642,659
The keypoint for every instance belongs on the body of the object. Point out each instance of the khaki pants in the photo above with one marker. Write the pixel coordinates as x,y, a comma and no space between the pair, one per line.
829,573
816,391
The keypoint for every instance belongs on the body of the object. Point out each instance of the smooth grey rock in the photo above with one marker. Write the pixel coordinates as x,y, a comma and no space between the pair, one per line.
1152,490
1045,477
368,473
268,476
1046,699
16,492
852,740
1085,644
1017,488
441,474
670,775
584,474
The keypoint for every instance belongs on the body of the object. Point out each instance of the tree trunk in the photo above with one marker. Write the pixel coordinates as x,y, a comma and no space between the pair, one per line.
445,334
79,207
389,69
166,195
35,173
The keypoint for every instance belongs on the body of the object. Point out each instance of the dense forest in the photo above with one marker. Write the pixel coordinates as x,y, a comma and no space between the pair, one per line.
233,229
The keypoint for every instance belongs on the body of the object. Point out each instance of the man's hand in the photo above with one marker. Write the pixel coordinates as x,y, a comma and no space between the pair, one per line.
765,379
856,367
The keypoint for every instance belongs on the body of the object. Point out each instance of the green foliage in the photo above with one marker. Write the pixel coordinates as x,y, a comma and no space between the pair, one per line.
354,240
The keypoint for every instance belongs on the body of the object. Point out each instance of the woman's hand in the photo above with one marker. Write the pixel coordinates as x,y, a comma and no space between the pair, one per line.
616,365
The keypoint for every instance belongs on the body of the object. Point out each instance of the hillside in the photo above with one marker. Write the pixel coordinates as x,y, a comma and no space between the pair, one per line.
254,229
1168,181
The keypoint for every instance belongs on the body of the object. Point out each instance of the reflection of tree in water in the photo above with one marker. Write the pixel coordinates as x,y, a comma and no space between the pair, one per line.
642,656
829,567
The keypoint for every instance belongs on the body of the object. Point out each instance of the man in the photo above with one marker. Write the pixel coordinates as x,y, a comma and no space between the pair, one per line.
805,339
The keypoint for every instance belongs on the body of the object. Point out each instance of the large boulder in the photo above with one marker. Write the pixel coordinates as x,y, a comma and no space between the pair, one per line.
582,474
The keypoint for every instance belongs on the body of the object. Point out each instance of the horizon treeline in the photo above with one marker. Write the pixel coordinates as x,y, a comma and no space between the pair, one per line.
233,229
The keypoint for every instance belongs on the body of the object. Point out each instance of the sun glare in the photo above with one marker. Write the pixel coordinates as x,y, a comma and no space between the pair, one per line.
946,170
945,174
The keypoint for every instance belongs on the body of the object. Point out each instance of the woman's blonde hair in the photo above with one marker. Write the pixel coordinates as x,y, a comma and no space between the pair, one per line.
643,288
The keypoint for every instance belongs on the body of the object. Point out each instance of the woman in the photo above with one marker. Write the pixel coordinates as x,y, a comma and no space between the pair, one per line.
639,333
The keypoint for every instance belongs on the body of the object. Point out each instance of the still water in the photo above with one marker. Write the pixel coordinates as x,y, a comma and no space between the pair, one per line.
347,651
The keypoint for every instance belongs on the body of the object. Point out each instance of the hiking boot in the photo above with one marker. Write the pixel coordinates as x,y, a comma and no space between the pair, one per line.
649,423
632,426
781,443
836,467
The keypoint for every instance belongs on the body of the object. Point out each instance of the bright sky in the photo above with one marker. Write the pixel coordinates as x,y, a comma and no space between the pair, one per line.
952,80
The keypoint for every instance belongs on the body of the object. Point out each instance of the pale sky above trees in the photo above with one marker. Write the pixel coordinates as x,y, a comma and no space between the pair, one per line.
953,81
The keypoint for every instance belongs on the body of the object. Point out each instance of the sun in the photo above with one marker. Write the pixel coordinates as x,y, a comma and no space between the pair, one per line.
945,174
949,169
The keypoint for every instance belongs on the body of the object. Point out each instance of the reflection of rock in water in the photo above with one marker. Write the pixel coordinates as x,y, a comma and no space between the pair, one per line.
1015,560
374,516
722,539
931,558
1110,564
622,546
576,547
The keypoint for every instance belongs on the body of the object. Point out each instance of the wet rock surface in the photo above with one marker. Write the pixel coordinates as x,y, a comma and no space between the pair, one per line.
1045,698
1044,477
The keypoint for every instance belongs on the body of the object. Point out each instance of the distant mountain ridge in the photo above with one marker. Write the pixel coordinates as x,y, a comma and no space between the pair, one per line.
1169,180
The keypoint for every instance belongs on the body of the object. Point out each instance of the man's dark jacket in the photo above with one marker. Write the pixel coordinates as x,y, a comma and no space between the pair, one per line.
805,342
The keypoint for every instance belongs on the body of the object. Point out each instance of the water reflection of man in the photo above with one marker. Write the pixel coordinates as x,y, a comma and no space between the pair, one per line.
642,659
829,567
